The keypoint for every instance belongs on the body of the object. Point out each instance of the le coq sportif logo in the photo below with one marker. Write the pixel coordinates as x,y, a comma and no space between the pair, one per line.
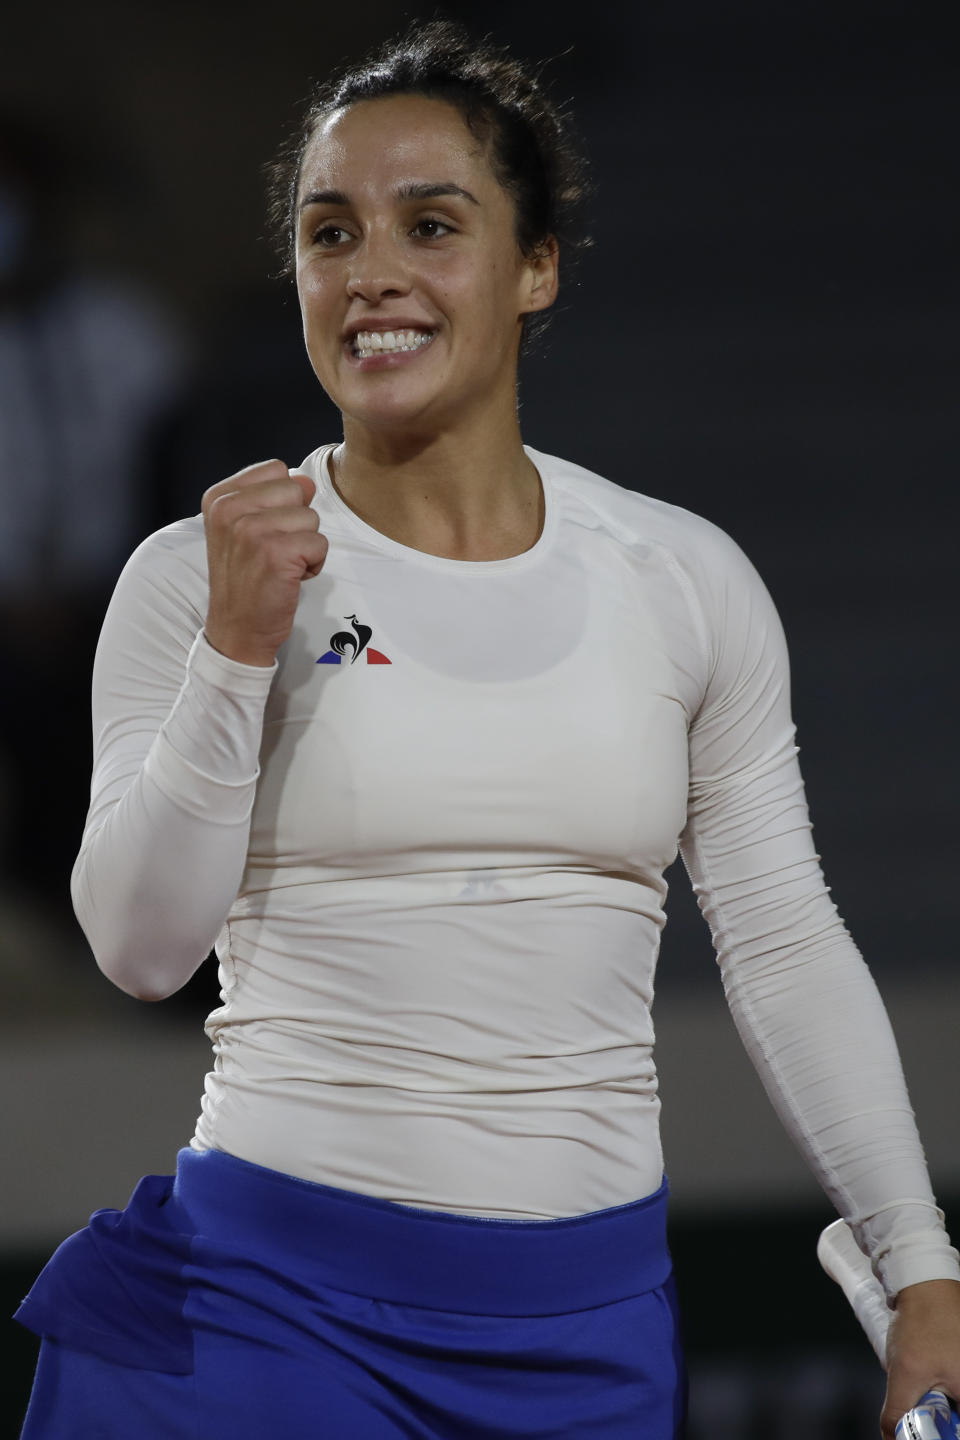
343,645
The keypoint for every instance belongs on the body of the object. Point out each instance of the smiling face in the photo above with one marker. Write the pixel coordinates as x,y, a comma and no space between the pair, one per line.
406,238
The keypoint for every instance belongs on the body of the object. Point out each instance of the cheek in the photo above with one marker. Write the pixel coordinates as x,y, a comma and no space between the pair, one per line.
483,296
315,294
312,285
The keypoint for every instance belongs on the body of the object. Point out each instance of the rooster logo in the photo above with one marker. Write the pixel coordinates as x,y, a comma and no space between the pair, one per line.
343,643
357,643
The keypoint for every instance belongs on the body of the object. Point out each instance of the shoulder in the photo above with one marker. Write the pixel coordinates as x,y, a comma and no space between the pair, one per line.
181,542
696,545
171,561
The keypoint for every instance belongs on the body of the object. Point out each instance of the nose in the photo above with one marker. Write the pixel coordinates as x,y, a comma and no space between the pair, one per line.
378,272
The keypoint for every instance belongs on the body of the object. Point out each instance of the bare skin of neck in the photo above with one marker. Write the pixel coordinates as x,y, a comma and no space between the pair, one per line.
474,497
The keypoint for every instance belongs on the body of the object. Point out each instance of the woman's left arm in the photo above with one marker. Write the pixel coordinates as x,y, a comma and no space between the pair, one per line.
801,996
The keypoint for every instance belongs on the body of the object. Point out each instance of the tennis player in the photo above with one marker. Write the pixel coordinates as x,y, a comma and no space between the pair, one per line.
412,733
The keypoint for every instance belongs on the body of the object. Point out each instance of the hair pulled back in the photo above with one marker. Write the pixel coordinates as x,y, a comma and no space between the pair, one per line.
529,141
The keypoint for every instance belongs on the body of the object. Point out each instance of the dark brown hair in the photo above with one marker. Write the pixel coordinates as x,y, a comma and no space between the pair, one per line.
530,142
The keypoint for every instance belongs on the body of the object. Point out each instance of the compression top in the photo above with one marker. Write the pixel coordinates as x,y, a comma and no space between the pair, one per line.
429,844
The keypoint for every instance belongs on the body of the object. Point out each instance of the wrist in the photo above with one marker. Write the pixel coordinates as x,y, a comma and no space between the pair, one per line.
927,1292
241,651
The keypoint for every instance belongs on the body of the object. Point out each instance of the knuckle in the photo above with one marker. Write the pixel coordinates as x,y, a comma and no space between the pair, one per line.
213,507
227,509
272,469
211,495
249,523
260,467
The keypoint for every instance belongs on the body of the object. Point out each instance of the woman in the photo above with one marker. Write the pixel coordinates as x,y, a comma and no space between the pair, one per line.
426,1195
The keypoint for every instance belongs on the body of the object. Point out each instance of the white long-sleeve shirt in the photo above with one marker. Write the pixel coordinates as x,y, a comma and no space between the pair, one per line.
429,844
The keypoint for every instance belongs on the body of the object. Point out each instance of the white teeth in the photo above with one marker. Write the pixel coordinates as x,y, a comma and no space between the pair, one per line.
372,342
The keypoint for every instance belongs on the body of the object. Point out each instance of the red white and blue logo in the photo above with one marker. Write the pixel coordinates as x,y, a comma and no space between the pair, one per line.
353,646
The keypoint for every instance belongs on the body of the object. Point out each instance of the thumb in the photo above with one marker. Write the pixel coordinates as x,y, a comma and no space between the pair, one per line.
306,485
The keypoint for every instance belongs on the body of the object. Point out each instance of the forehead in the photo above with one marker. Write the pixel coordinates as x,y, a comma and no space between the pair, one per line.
371,144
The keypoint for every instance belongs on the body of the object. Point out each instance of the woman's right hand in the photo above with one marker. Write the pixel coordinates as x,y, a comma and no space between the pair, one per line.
262,541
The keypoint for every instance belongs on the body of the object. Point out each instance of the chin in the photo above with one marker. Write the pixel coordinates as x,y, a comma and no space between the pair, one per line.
410,424
400,413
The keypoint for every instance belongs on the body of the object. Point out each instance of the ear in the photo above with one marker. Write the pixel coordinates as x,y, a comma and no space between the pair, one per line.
541,277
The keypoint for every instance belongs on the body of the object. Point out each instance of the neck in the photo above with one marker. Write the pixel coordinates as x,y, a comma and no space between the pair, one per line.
465,496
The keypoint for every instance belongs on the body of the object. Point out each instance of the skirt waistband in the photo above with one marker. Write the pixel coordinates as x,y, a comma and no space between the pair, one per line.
477,1265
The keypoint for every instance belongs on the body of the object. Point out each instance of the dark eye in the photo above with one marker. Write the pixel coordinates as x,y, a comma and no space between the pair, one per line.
328,236
429,229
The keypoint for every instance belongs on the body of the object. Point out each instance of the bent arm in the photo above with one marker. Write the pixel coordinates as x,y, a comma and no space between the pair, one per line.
801,996
176,735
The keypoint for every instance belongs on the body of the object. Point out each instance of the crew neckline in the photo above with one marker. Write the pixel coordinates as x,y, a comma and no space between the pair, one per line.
376,537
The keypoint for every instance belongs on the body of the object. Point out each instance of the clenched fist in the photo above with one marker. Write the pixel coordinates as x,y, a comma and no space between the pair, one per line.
262,541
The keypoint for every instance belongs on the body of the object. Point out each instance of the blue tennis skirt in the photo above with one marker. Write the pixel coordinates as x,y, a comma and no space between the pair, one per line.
229,1302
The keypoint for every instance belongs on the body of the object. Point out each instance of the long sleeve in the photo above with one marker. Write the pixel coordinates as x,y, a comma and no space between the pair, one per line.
801,996
176,736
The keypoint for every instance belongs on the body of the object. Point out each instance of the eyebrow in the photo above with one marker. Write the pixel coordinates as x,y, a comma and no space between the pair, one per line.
411,191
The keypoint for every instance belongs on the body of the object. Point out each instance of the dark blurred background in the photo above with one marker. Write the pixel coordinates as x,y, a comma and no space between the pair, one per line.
765,333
